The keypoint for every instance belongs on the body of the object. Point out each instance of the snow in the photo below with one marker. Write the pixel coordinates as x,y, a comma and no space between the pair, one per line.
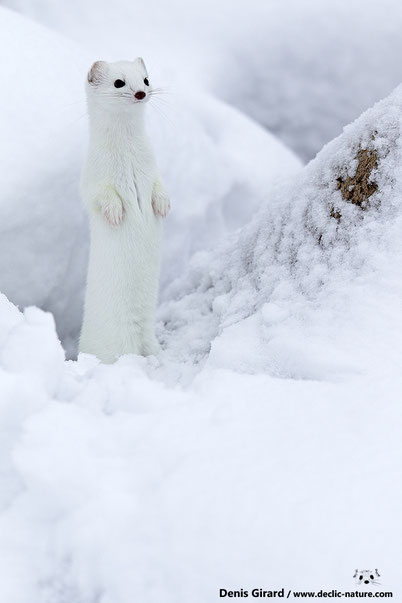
262,447
43,229
117,484
308,286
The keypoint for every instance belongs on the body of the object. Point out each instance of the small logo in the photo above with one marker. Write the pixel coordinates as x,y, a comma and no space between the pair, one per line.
366,577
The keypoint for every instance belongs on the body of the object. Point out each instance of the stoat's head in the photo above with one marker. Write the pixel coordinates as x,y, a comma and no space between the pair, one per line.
121,86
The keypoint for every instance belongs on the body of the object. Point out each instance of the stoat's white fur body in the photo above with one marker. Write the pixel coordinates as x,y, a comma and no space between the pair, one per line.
126,202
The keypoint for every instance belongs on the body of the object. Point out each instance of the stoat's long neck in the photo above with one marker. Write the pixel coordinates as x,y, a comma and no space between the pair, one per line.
124,128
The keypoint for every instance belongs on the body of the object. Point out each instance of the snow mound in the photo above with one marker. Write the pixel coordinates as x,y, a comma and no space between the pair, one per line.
310,288
214,184
112,483
43,227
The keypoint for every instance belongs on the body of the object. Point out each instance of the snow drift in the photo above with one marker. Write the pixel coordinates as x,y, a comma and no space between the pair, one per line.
311,287
43,228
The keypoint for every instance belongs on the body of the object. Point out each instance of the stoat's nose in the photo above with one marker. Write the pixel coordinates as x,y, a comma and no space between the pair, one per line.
140,95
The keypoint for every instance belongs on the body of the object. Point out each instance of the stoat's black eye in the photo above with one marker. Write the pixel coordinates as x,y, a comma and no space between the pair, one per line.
360,577
119,84
146,81
371,576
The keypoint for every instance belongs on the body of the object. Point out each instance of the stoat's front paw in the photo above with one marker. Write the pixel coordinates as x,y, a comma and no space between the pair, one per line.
160,203
113,212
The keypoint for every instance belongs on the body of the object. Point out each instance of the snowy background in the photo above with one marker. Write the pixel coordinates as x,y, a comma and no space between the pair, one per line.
262,448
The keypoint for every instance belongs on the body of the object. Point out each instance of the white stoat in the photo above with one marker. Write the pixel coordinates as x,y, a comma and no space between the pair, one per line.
126,202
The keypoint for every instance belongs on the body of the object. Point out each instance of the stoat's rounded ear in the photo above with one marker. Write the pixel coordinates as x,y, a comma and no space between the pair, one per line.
140,61
96,72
